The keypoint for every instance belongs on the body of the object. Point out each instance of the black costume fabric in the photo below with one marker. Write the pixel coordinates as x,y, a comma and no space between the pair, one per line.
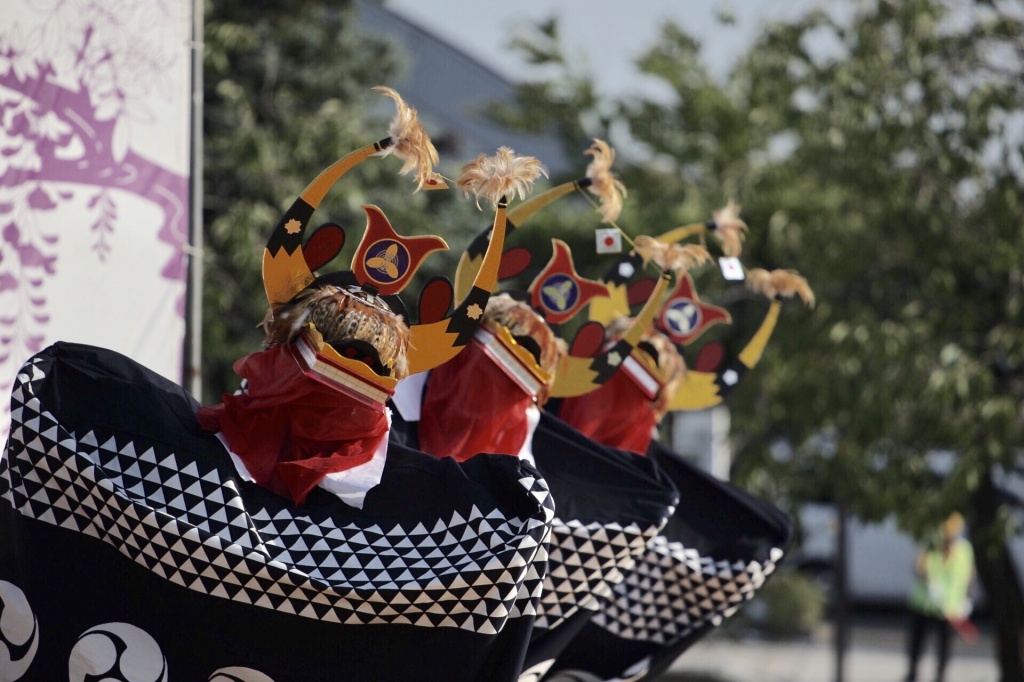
130,548
715,552
609,504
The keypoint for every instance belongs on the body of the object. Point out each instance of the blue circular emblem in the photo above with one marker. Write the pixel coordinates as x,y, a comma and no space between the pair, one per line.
559,293
386,261
681,316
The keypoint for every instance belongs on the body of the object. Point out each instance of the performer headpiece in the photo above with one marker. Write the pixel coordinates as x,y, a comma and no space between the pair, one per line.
558,292
348,326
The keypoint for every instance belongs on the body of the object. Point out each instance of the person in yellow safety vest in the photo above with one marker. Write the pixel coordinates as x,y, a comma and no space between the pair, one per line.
939,598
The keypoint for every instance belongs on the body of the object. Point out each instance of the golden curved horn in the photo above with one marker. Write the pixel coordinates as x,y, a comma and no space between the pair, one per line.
577,376
285,272
471,258
431,345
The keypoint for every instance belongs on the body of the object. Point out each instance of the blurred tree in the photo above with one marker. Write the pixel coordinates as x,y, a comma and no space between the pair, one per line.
890,171
877,148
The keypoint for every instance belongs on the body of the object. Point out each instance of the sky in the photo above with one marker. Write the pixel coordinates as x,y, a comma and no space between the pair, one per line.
602,38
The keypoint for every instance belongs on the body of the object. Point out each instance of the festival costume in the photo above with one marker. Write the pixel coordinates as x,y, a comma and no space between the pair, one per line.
139,541
721,543
715,552
294,430
122,521
609,503
634,419
480,407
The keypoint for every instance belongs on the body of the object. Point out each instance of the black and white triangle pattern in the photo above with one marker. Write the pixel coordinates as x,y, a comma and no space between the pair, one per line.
673,590
185,523
586,561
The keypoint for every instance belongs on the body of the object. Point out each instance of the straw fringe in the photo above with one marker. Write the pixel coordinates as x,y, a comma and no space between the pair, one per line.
338,316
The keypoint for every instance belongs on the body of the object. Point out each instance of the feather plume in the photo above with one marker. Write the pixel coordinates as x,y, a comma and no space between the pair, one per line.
780,284
603,184
501,175
729,229
411,144
678,258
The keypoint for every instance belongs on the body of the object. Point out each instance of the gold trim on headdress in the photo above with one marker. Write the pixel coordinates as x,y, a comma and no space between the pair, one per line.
323,363
515,360
520,320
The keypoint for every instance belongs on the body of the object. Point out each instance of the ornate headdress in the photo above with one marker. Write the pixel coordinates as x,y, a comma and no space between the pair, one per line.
347,325
558,292
683,317
655,365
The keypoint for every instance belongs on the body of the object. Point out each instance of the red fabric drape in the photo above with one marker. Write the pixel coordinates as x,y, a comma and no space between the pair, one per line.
616,414
291,430
470,406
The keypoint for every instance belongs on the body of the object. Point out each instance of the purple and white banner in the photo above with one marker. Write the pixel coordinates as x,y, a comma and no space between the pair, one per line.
94,162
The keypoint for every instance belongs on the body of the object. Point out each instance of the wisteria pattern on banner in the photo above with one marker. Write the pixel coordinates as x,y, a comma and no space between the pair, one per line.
94,123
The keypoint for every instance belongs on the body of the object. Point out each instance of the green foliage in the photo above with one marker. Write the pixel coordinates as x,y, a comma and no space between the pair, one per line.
915,248
876,148
791,605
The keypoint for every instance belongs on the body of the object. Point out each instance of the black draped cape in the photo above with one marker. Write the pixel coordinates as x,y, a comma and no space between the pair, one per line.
715,552
609,505
130,548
